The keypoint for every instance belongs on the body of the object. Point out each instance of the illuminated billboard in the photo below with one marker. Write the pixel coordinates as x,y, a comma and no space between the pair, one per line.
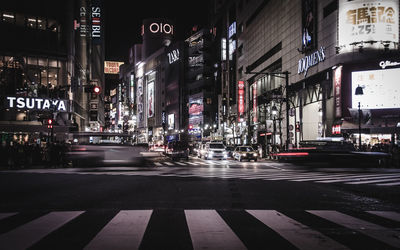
380,87
196,107
368,21
150,99
111,67
240,98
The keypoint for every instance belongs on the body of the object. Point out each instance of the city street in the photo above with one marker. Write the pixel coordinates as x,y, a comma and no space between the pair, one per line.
199,204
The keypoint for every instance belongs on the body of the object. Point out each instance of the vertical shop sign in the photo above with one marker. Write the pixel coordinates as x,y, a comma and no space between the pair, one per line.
150,99
96,22
255,102
240,98
337,81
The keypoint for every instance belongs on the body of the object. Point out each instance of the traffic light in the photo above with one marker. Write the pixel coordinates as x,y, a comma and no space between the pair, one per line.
93,89
96,89
49,123
297,126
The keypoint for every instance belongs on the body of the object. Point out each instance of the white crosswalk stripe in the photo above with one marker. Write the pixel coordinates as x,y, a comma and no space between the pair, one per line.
389,236
245,172
296,233
5,215
207,229
26,235
124,231
387,214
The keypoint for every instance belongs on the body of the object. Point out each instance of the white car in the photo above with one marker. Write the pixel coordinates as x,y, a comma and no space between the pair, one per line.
215,150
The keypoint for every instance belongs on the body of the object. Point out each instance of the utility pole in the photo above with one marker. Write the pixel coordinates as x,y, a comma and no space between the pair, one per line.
287,108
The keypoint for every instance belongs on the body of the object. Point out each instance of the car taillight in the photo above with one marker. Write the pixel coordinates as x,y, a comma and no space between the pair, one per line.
80,149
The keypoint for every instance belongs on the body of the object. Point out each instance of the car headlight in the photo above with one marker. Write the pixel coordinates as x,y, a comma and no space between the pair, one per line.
243,154
255,154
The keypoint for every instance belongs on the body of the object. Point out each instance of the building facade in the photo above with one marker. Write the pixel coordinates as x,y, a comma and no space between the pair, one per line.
52,52
298,64
201,86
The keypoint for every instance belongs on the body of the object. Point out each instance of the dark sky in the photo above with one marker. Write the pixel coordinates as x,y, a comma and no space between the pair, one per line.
123,20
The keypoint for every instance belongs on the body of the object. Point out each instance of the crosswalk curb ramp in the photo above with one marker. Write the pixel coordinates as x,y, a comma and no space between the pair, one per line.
202,229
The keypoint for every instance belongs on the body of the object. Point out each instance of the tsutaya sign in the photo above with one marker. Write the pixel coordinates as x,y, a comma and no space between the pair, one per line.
311,60
36,103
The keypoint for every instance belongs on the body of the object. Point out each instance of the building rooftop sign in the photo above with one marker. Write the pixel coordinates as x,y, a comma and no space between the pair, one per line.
111,67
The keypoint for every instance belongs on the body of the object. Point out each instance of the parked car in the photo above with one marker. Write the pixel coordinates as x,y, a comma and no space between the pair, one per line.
178,149
214,150
245,152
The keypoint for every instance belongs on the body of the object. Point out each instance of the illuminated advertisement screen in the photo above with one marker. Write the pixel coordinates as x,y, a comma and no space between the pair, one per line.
368,20
196,107
381,89
150,99
171,121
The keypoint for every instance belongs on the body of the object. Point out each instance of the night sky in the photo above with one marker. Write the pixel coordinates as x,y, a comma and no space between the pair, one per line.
123,21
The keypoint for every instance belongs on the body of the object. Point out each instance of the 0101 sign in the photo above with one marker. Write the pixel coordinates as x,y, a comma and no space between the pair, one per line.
161,28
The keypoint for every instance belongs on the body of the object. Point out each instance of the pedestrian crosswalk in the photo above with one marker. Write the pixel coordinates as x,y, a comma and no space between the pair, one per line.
203,229
261,171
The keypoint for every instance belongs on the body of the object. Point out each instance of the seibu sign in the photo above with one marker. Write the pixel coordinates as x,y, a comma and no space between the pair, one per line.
37,103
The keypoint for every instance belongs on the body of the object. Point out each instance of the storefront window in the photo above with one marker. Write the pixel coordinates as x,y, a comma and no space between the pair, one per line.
20,20
52,77
8,17
31,22
43,77
41,24
52,25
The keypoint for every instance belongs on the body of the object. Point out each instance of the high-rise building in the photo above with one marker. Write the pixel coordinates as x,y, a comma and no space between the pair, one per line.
52,52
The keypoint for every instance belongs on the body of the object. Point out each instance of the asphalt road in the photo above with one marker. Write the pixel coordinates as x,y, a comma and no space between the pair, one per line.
200,204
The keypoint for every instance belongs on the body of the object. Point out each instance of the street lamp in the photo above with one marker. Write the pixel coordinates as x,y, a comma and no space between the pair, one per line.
274,112
359,91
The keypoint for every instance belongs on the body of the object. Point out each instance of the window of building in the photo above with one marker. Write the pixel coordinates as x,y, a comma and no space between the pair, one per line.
208,101
31,22
43,77
240,50
240,28
52,25
330,8
240,71
53,77
20,20
41,23
8,17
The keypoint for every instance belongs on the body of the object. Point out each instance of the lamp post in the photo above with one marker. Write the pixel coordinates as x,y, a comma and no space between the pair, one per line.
274,112
359,91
